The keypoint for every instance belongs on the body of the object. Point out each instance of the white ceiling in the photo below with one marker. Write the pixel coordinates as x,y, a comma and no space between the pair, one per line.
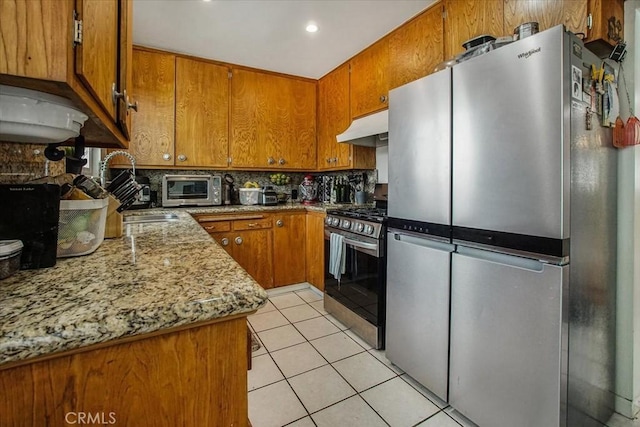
270,34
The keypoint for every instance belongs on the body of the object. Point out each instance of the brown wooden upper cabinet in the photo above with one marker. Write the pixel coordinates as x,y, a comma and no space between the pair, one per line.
273,121
72,48
571,13
465,19
152,142
333,119
202,113
606,25
417,47
370,79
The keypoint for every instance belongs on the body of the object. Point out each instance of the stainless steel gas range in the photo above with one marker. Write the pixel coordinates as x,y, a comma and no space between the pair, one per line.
357,298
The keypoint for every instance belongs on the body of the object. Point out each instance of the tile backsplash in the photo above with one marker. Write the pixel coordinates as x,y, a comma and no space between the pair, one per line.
326,181
23,162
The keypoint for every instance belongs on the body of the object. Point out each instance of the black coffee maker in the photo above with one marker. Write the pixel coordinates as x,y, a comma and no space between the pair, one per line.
228,192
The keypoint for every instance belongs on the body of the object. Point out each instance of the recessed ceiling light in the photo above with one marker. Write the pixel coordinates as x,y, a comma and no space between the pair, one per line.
312,28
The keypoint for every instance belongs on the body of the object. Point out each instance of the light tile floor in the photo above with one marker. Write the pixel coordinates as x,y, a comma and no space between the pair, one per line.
312,371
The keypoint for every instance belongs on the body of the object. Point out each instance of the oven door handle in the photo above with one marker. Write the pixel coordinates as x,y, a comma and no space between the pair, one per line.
361,245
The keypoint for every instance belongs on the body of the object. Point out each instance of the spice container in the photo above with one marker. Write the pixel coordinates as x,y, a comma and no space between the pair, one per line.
10,251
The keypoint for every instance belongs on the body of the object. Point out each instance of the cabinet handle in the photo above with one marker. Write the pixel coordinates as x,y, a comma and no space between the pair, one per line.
252,224
238,240
383,98
182,157
279,223
210,227
115,95
130,106
166,156
224,241
282,161
271,160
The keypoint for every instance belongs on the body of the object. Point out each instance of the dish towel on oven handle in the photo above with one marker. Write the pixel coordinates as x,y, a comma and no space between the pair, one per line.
337,255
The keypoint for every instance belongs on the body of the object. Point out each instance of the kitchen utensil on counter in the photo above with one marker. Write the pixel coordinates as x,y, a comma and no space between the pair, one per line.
228,192
308,190
10,251
525,30
268,196
361,197
31,215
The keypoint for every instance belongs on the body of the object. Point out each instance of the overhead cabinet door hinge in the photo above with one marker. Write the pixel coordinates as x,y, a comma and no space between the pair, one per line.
77,29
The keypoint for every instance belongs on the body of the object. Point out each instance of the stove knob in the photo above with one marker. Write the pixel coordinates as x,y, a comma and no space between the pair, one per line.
359,227
346,224
327,220
335,222
368,229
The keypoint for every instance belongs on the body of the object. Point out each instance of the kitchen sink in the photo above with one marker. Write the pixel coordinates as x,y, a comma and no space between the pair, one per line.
138,219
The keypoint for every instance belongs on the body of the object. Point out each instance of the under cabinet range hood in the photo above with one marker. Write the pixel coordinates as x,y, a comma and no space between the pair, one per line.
37,117
369,131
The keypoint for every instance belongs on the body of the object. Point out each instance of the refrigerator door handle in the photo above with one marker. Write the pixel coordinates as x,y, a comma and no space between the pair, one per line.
425,241
502,258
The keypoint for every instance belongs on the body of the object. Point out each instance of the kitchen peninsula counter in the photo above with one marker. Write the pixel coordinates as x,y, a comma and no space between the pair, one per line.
158,276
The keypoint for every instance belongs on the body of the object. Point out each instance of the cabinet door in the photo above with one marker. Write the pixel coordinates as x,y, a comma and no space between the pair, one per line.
369,79
226,241
253,250
465,19
152,142
314,249
97,55
607,28
256,117
299,150
416,47
202,113
125,71
333,118
289,248
547,13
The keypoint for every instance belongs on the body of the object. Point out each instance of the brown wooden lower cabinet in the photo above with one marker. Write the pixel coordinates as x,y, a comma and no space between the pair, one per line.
190,377
315,249
289,248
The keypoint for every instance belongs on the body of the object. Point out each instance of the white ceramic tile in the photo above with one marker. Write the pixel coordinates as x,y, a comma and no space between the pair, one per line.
298,359
351,412
379,354
277,338
267,308
299,313
337,346
304,422
336,322
319,305
274,405
316,328
320,388
425,391
363,371
399,403
441,419
263,372
286,300
309,295
269,320
357,339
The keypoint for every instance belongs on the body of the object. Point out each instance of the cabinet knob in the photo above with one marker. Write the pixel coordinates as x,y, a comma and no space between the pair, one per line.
238,240
279,223
182,157
166,156
282,161
115,95
130,106
383,98
329,160
224,241
271,160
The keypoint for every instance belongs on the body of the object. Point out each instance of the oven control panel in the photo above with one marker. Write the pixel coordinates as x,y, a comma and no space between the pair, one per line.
362,227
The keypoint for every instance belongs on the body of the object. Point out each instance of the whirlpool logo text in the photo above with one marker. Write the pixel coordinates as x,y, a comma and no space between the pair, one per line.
525,55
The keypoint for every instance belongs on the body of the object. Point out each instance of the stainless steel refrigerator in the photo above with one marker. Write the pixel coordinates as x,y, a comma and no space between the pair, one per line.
532,256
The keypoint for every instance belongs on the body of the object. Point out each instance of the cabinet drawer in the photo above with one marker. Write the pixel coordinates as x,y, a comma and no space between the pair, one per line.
252,224
216,226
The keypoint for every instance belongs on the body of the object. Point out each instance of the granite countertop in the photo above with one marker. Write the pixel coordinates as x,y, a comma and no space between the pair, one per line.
157,276
229,209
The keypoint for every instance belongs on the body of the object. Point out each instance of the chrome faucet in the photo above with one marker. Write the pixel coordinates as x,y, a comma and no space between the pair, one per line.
105,162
